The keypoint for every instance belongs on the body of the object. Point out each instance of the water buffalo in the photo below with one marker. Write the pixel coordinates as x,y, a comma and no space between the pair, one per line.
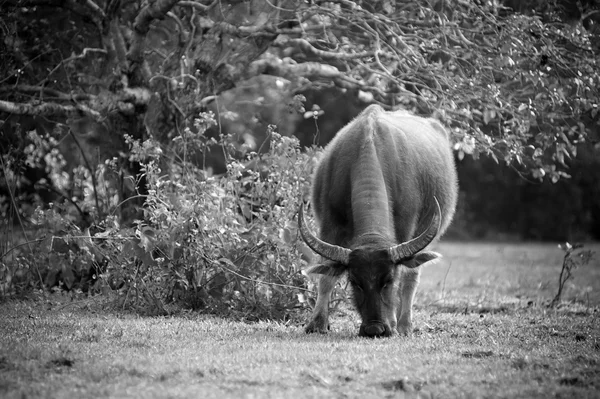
384,189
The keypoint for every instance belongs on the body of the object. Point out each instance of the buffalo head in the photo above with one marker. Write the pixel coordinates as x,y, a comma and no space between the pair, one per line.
373,270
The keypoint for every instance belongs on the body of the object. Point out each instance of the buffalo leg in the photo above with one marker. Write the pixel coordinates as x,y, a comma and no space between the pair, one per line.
319,321
409,280
392,316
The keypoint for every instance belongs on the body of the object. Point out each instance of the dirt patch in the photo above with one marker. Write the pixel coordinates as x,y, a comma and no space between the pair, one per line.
477,354
408,389
6,365
60,362
574,381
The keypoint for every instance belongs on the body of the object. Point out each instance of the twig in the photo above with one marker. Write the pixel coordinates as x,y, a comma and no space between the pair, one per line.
305,45
80,302
83,54
444,282
127,199
92,173
95,8
15,207
219,264
569,265
20,245
65,196
48,91
198,6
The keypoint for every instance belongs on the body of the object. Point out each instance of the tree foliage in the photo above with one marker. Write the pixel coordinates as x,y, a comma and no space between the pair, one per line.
519,85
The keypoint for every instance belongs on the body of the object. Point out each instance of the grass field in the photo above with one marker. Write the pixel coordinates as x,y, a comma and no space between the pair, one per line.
482,330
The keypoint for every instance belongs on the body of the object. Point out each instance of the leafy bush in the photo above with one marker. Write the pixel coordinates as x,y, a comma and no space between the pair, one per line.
218,243
227,242
574,257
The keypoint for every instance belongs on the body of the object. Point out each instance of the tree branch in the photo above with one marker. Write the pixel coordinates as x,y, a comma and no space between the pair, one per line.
141,26
95,8
198,6
96,105
291,70
41,90
305,45
243,31
45,109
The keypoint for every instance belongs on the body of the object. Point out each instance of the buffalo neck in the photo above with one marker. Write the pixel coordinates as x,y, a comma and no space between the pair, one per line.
370,203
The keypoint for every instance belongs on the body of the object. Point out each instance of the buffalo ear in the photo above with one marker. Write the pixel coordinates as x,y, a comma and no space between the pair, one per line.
426,256
332,269
421,258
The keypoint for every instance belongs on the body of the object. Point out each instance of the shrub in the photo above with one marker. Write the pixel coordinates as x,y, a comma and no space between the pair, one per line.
226,244
574,257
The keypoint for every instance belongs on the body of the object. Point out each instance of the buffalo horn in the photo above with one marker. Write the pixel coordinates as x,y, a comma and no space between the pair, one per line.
329,251
410,248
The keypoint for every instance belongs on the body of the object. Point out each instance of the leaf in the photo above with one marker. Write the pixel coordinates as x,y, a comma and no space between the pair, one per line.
217,285
388,6
146,238
318,378
148,231
365,96
228,262
51,278
285,234
488,115
61,245
529,150
539,173
134,248
128,249
565,247
307,253
68,277
246,210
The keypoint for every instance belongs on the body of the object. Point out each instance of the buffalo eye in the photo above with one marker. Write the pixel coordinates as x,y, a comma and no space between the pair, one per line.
357,292
387,282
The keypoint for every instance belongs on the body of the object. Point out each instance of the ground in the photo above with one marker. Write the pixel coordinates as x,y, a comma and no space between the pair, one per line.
483,329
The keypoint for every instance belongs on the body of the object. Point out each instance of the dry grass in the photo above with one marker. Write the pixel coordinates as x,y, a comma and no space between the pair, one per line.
482,331
498,275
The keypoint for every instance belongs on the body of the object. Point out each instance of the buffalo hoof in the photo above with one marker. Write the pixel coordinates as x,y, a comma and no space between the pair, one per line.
405,329
317,325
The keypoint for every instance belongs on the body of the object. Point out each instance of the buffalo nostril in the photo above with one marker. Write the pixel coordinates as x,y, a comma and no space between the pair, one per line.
374,330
